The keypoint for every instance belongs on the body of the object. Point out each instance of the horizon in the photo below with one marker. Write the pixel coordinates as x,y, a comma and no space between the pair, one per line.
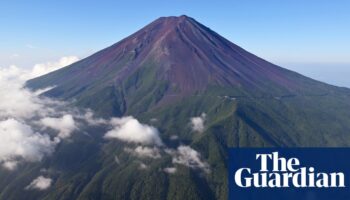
314,43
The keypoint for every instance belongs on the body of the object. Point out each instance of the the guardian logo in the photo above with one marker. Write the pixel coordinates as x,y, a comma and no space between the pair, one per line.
289,173
278,172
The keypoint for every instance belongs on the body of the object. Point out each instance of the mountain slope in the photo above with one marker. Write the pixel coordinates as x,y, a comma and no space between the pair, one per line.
169,59
172,70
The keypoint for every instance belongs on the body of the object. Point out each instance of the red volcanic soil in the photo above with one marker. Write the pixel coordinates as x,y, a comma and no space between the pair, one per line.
191,56
182,53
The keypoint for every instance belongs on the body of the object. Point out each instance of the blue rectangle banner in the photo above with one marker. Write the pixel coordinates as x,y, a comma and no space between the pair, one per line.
289,173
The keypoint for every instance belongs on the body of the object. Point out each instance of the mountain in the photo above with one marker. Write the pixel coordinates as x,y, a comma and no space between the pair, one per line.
172,70
171,58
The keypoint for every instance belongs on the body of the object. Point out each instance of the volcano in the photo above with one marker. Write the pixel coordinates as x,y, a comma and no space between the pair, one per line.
168,72
171,58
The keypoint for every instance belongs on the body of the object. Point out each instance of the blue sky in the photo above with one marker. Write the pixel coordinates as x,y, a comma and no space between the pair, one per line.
309,36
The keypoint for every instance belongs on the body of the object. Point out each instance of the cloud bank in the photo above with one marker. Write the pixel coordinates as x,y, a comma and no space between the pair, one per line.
20,137
25,116
18,141
37,70
16,101
44,68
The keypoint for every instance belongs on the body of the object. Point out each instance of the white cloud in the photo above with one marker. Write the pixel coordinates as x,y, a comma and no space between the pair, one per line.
91,120
21,75
189,157
18,102
44,68
10,164
143,152
40,183
197,123
18,141
170,170
65,125
20,109
129,129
